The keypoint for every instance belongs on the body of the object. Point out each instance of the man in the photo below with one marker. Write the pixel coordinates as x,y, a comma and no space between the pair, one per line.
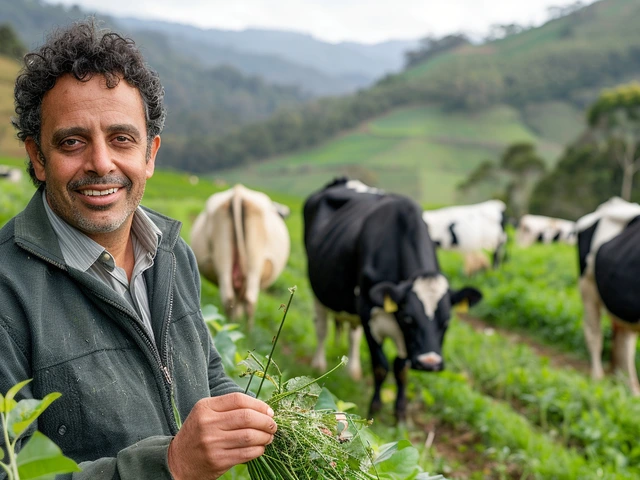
99,297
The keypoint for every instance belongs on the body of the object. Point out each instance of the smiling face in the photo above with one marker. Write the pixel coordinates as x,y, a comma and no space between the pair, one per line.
93,154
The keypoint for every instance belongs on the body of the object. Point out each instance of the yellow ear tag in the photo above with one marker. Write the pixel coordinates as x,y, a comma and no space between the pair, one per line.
389,305
463,306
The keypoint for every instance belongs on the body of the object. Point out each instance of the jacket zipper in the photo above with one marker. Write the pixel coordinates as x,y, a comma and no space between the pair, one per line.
166,374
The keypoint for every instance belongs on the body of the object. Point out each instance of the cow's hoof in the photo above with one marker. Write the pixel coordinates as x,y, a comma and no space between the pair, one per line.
375,408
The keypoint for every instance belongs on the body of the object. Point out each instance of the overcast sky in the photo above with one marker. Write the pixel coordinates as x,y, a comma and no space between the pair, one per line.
362,21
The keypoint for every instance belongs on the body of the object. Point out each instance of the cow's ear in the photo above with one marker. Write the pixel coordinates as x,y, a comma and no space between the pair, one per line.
470,294
386,295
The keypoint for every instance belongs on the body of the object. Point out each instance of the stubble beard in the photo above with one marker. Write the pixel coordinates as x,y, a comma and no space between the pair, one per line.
73,216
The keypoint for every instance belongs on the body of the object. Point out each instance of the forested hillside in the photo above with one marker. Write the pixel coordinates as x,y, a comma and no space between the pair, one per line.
203,100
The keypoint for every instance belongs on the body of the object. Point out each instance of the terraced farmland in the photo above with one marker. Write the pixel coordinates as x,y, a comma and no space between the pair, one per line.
421,151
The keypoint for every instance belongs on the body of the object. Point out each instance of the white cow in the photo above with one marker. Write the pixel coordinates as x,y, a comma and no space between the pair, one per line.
470,229
242,245
538,228
609,247
12,174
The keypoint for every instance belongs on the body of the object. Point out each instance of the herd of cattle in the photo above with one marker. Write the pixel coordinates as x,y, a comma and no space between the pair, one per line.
372,263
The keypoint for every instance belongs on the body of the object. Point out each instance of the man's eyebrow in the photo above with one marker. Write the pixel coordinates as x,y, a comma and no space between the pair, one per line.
124,128
62,133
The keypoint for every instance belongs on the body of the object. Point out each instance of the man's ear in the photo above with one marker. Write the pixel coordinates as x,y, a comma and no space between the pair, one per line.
35,157
153,151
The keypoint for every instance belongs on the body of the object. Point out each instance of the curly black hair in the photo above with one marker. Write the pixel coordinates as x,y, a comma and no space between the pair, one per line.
83,50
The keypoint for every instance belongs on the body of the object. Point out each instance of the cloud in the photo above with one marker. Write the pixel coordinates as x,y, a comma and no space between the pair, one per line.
335,20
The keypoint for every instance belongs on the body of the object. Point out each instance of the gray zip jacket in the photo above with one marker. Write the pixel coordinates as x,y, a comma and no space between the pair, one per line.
72,334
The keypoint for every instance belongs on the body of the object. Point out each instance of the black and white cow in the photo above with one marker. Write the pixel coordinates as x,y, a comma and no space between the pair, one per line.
609,252
540,229
370,260
470,230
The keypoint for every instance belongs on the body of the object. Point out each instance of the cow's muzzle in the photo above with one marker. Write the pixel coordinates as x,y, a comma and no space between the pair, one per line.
430,362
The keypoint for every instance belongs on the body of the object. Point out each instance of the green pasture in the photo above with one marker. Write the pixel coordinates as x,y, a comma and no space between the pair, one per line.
492,127
558,122
424,152
527,416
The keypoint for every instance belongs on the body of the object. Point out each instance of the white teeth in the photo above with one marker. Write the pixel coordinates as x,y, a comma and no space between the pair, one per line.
97,193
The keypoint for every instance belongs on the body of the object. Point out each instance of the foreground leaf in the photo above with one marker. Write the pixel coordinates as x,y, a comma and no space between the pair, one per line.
26,411
9,403
42,459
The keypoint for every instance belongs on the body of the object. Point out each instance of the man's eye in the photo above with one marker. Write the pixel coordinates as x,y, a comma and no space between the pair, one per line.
122,138
70,142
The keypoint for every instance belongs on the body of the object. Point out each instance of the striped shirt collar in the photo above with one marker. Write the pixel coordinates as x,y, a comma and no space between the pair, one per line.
80,251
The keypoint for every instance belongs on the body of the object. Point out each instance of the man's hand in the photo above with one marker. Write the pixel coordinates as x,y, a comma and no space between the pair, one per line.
220,432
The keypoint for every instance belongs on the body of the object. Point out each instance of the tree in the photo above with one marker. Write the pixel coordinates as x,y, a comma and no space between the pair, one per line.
559,11
430,47
614,122
10,44
512,179
499,31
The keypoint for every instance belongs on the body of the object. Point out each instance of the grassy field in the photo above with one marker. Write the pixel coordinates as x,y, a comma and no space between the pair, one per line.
9,145
423,152
503,410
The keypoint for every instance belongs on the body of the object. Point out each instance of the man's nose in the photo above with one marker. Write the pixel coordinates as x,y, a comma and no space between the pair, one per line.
101,161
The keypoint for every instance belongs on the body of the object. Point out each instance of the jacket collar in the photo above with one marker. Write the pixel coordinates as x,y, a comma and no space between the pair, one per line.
34,232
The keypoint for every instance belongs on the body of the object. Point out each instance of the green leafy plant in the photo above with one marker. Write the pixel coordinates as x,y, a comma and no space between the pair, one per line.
39,458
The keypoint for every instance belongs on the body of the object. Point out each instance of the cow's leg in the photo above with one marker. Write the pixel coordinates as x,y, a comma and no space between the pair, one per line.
499,254
380,368
401,373
319,360
227,294
237,309
615,329
624,354
355,336
251,297
475,262
591,324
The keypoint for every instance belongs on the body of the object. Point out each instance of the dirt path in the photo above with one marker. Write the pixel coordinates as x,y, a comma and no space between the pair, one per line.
462,454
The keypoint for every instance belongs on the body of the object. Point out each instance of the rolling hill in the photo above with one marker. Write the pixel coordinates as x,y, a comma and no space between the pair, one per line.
278,57
424,130
284,58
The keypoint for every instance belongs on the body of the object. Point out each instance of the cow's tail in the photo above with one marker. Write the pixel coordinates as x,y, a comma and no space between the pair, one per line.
240,250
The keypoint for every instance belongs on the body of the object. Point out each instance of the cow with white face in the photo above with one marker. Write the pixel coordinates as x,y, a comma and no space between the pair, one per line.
609,253
242,245
370,259
540,229
471,230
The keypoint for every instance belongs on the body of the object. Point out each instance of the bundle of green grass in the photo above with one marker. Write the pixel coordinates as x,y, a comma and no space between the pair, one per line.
314,439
